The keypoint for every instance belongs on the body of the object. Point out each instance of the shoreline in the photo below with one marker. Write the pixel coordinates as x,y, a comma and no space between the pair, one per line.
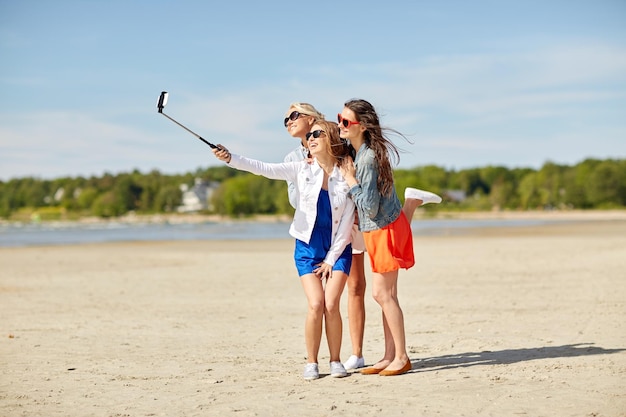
194,218
202,228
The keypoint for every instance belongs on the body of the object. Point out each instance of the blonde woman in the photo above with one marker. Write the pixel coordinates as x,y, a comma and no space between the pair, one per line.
298,121
322,227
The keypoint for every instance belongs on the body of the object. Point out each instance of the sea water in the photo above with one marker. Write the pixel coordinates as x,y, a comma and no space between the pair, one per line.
36,234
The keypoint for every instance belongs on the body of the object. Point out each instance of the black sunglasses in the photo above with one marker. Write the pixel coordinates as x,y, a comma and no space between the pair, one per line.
293,116
316,134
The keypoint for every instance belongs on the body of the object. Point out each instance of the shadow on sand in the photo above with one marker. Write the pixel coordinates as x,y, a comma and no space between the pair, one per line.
508,356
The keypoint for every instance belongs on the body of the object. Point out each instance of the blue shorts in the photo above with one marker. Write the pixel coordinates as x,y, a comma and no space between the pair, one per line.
309,256
307,260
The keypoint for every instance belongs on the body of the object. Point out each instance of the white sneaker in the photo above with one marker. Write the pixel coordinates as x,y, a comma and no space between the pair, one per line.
354,362
425,196
337,370
311,371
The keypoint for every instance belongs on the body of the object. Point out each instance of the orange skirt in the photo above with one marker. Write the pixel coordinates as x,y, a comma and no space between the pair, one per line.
391,247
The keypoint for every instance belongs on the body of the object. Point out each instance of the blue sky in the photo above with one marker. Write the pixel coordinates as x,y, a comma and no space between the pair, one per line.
471,83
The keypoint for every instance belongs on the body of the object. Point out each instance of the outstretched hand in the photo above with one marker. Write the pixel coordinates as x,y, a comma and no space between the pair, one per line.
222,153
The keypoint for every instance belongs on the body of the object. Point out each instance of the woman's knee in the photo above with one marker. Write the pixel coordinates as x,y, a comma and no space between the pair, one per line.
382,295
316,307
331,308
356,286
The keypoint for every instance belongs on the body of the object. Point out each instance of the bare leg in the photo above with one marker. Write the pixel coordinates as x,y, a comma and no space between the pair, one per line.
332,314
410,204
385,294
413,198
390,347
313,324
356,303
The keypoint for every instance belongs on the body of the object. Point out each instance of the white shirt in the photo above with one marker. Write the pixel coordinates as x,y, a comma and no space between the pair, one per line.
299,154
308,179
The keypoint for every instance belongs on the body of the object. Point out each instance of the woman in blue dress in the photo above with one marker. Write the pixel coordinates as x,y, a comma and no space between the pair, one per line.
322,227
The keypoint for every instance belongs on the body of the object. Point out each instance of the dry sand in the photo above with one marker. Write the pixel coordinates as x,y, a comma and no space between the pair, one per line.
500,322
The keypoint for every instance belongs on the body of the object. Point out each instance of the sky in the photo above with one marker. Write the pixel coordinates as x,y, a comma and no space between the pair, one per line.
469,83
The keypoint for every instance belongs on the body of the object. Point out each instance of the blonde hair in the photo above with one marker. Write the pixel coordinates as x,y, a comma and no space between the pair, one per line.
305,109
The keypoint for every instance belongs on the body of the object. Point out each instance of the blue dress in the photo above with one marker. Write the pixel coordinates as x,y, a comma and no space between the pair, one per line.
308,256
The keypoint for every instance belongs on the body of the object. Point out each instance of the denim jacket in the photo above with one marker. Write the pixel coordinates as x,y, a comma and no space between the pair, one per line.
308,178
375,210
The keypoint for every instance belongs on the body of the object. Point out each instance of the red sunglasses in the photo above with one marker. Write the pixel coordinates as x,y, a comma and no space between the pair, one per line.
345,122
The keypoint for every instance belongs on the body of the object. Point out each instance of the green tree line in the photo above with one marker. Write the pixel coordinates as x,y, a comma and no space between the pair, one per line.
590,184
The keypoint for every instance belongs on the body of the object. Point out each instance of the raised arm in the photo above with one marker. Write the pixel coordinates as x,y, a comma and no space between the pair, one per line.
281,171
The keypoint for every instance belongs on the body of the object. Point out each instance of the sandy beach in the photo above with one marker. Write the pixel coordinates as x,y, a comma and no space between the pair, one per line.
500,322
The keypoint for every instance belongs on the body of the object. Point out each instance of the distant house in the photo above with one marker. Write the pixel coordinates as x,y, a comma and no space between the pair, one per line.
455,196
198,197
58,195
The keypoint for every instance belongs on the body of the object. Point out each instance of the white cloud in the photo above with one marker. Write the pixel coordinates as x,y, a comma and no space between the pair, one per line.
462,109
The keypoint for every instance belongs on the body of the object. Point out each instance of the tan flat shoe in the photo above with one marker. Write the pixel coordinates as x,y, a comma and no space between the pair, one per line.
406,368
370,371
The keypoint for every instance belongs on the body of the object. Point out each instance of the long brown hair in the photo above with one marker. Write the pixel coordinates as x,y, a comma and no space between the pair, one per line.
337,147
385,152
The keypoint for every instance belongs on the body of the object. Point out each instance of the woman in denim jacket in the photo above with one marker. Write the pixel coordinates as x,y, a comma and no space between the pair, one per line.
386,230
322,226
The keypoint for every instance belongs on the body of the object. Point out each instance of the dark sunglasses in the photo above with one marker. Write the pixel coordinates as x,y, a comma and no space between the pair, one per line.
316,134
293,116
346,122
